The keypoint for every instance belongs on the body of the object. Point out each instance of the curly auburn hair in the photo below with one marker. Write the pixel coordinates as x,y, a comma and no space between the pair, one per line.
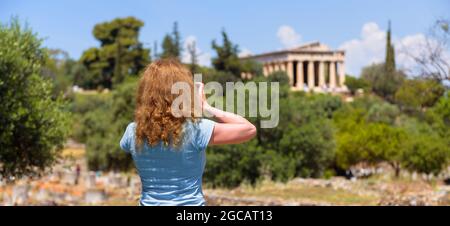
155,122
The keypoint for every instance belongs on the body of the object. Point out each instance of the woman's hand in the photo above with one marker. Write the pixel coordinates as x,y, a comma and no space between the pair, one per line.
201,95
231,128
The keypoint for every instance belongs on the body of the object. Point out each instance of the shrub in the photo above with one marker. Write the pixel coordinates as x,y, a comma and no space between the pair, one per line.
34,126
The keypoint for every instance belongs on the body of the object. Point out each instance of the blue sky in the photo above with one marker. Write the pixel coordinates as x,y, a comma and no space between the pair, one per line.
256,26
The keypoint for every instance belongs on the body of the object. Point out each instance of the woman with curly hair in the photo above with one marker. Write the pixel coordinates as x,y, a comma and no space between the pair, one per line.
169,150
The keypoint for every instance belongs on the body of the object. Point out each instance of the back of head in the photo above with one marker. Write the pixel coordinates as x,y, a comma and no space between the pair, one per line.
154,119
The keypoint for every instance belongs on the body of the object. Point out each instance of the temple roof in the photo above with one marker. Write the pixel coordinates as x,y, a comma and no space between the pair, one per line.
311,47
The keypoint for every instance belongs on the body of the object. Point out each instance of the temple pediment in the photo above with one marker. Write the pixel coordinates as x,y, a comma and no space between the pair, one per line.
312,46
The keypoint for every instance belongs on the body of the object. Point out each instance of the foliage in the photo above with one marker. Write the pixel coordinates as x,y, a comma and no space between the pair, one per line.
366,135
171,45
283,152
389,63
439,117
59,68
221,77
279,76
102,122
426,153
251,66
34,126
193,55
372,131
354,84
84,108
120,53
227,59
229,166
417,94
383,112
381,83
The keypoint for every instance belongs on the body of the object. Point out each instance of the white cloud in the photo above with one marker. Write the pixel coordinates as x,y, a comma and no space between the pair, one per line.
418,46
245,52
408,47
203,58
371,46
288,37
368,49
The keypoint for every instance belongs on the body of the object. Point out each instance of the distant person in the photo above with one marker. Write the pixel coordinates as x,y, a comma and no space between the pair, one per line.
169,151
78,172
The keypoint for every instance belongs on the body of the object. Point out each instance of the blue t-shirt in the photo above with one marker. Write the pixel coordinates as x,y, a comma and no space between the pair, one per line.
172,176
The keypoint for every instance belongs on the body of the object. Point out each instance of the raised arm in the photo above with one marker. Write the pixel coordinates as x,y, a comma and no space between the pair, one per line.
231,128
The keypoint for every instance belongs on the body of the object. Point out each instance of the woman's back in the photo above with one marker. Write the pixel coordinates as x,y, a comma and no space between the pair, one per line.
171,176
167,139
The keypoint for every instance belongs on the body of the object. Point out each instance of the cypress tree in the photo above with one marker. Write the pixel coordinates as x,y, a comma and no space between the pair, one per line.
390,54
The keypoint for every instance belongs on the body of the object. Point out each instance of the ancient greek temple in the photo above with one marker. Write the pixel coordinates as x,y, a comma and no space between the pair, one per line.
310,67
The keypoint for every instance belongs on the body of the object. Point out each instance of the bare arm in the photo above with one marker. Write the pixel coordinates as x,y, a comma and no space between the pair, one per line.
231,128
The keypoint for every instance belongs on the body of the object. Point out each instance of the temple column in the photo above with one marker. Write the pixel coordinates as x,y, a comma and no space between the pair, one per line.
265,70
321,74
277,66
332,74
290,72
311,75
283,66
271,68
341,74
300,78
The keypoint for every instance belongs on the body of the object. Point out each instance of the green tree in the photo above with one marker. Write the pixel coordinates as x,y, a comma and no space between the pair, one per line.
64,72
171,45
427,154
253,67
192,50
227,56
383,84
230,165
390,55
120,53
367,133
439,117
418,94
426,150
105,125
301,145
354,84
34,126
311,145
371,143
278,76
383,112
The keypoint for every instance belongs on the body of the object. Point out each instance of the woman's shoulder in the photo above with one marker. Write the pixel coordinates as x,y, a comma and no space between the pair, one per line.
131,125
199,124
130,131
128,137
200,132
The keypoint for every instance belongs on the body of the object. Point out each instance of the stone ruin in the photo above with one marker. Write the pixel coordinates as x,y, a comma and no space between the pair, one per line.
20,194
91,180
95,196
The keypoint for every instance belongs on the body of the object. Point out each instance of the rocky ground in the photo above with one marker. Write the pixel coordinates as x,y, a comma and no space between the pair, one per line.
62,186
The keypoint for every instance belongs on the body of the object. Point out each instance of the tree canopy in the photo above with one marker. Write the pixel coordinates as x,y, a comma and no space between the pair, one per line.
171,45
34,125
227,59
120,53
